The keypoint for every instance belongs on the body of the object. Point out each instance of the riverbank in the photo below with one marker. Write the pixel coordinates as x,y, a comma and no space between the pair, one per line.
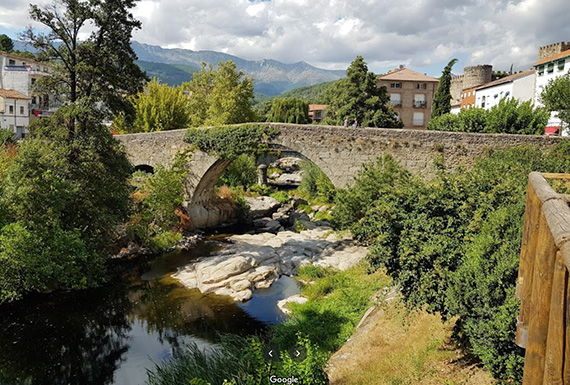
393,346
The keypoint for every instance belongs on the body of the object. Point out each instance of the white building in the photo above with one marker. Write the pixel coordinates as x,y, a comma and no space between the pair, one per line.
14,113
547,69
519,86
19,74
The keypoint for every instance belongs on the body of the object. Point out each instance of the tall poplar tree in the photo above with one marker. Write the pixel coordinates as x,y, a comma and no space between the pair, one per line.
442,98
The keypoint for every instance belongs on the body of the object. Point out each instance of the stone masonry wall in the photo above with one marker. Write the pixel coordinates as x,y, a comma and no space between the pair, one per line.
340,152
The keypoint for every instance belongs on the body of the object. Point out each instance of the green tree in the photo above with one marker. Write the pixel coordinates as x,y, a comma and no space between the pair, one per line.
62,200
442,97
98,68
289,110
556,97
220,96
160,107
6,44
358,96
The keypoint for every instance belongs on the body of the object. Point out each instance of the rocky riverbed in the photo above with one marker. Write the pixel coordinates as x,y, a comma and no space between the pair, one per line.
255,261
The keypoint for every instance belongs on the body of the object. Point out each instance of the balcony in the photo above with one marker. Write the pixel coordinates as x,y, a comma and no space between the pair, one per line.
396,103
419,104
15,68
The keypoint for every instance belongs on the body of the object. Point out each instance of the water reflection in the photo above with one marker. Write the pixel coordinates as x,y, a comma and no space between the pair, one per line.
111,334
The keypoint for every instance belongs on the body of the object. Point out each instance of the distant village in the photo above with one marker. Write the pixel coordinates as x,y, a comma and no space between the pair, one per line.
411,93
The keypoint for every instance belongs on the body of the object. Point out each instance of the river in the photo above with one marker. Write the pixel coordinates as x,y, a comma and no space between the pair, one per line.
115,333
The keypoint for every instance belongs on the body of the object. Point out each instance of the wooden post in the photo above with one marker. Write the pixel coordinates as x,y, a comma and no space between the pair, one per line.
539,310
554,359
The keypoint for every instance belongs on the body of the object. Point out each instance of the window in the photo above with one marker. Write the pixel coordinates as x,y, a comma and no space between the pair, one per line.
11,62
561,63
421,86
396,100
550,68
33,81
395,85
11,109
483,102
418,119
34,100
469,93
21,110
540,70
419,101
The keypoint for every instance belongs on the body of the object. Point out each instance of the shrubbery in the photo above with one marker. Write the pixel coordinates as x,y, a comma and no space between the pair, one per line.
453,244
60,200
508,117
241,172
154,222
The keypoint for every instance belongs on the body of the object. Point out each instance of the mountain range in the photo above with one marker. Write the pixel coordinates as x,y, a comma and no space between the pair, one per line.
271,76
174,66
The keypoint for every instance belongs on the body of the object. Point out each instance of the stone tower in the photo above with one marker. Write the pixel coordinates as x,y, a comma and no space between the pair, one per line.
472,76
553,49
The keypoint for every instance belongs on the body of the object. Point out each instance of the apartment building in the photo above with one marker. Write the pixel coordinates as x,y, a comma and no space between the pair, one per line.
519,86
18,75
411,95
554,61
14,114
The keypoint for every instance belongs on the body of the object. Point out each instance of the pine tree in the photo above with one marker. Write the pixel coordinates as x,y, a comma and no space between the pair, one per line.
442,98
358,97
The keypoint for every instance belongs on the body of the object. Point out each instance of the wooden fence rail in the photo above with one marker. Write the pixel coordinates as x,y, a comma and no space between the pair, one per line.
543,324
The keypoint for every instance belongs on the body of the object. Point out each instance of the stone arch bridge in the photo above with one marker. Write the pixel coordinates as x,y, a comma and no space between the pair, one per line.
339,152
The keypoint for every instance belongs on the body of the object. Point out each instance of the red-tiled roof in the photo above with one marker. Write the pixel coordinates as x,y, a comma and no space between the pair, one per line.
403,74
318,107
554,57
506,79
11,94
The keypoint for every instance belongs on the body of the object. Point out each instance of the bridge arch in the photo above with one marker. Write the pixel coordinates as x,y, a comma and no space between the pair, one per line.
339,152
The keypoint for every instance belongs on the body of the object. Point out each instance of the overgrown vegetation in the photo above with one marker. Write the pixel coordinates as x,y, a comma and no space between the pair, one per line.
154,223
337,302
241,172
231,141
453,244
510,116
556,97
159,107
60,200
315,185
289,110
239,361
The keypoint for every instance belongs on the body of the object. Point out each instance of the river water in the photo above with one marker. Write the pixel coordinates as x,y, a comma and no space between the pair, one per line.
115,333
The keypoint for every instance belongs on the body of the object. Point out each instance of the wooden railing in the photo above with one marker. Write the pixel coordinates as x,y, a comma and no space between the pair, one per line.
543,324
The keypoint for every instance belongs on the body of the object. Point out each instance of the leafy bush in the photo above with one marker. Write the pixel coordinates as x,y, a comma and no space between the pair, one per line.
241,172
508,117
61,198
453,244
7,136
156,196
315,182
280,196
229,142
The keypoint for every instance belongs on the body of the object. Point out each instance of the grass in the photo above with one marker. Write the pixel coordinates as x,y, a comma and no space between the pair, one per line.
337,302
398,347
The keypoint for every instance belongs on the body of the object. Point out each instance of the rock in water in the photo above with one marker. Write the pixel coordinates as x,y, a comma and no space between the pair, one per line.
256,261
263,206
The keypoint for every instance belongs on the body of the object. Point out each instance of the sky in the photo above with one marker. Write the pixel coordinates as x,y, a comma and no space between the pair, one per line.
422,35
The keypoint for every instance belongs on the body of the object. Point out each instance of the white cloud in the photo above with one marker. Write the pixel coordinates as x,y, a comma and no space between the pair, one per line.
330,33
